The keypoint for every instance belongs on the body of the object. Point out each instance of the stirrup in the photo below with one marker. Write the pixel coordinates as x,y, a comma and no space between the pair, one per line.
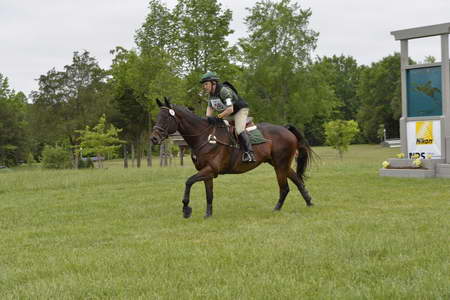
248,157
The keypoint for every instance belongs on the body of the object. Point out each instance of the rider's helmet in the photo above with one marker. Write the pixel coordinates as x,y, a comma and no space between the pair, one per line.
209,76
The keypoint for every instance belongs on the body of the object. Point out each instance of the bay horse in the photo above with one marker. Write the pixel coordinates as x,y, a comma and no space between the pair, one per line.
212,159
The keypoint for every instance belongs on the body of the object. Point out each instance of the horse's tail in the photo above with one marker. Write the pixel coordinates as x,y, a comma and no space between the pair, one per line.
305,152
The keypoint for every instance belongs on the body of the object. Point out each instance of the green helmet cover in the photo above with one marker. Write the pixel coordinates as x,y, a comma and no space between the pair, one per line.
209,76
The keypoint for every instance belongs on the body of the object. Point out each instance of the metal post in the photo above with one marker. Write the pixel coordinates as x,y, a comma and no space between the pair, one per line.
404,61
445,95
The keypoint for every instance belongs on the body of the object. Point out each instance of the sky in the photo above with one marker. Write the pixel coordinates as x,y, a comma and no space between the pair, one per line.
36,36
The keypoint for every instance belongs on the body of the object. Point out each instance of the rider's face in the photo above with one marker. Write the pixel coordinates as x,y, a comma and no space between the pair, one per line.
208,87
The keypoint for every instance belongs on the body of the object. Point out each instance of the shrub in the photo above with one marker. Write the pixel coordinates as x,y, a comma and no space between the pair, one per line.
340,133
55,158
84,163
30,160
89,163
81,163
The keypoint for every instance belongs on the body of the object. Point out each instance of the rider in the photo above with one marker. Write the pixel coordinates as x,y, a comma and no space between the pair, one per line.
229,105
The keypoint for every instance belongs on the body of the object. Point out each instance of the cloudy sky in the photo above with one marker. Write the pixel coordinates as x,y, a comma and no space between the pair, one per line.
36,36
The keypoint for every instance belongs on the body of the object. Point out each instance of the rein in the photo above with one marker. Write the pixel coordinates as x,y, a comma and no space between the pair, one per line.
211,138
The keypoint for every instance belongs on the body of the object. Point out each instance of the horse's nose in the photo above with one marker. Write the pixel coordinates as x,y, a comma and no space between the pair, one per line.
154,140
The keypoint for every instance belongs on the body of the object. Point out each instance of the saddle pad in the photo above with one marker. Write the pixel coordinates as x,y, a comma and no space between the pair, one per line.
256,136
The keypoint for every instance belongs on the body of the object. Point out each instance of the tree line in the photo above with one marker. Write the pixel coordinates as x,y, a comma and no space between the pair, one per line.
273,67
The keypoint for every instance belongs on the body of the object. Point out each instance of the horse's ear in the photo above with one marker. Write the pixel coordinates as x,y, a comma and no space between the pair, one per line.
159,102
167,101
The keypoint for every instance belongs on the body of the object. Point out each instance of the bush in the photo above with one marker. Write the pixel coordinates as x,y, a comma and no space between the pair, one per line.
81,163
340,134
89,163
84,163
30,160
56,158
174,149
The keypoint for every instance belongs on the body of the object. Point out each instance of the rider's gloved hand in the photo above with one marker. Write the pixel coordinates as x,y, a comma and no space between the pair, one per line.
214,120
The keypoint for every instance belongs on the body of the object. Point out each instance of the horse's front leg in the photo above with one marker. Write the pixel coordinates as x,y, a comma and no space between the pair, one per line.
202,175
209,197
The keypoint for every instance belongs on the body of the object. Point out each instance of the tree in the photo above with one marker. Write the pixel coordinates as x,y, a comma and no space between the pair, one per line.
158,31
342,74
100,140
13,138
69,100
137,79
340,133
379,91
280,82
202,26
430,59
191,39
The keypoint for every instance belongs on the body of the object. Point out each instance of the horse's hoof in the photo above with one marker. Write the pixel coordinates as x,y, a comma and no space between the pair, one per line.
187,212
207,216
309,204
276,208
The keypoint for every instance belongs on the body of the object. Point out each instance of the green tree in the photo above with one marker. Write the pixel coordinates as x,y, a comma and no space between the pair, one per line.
13,137
100,140
159,31
340,133
429,59
203,27
379,91
137,79
191,39
342,73
69,100
280,82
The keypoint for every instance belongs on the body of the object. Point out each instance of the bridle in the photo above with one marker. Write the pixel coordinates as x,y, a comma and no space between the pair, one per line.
164,132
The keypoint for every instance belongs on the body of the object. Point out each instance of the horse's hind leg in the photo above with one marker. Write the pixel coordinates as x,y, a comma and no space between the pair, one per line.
301,187
284,187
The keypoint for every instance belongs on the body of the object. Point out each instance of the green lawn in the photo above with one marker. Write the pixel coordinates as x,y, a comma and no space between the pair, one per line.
119,233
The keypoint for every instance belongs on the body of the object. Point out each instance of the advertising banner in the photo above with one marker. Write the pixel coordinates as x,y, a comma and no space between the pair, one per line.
424,138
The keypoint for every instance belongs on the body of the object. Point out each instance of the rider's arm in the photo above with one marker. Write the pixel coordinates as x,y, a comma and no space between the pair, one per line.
227,94
228,111
209,111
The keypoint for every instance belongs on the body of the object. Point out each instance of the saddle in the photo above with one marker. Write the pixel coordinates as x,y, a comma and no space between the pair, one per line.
253,132
249,126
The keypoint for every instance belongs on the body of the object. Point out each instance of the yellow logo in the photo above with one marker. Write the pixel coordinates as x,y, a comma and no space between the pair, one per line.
424,133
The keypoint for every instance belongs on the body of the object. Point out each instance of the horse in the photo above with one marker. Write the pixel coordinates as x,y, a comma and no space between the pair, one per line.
218,155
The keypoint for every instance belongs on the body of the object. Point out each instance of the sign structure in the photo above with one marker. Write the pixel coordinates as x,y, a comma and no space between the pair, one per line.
425,120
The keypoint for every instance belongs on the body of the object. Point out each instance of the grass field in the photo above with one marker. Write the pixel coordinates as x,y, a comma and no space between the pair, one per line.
119,233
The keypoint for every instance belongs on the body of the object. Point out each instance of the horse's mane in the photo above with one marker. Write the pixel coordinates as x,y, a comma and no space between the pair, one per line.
188,111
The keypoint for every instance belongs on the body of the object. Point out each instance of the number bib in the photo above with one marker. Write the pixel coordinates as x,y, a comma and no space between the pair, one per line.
217,104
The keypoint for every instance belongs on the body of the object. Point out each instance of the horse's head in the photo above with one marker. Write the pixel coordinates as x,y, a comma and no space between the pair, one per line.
166,122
